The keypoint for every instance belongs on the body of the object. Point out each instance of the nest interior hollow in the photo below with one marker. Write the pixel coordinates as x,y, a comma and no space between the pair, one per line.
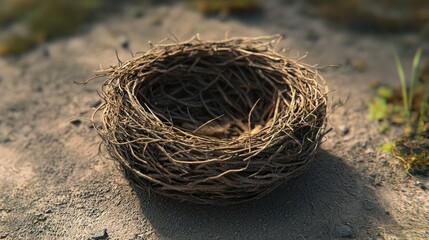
214,122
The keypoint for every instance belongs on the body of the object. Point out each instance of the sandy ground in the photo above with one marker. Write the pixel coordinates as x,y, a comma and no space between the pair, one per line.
54,185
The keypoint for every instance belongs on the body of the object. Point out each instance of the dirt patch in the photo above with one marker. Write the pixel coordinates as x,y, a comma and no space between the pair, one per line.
61,188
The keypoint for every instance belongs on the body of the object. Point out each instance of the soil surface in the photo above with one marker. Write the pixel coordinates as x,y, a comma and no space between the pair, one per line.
55,185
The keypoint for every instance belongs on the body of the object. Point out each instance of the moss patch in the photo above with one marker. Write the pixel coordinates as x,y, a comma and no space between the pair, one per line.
412,147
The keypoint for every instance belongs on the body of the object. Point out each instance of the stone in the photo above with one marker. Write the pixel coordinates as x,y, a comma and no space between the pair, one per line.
102,236
124,41
76,122
421,185
344,130
343,231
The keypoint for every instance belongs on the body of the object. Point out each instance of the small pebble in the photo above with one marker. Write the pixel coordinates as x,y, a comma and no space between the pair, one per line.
421,185
41,217
101,237
90,125
48,211
343,231
125,42
95,103
76,122
377,182
344,130
38,89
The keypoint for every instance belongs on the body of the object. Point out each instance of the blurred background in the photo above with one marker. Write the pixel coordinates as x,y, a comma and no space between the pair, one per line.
25,24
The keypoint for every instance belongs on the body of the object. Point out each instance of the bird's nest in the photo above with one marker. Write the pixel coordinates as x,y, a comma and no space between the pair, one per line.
212,122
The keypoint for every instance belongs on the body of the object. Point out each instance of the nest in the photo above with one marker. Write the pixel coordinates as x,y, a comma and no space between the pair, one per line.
212,122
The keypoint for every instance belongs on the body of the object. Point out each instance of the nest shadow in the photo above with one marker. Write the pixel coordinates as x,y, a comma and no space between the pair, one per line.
327,194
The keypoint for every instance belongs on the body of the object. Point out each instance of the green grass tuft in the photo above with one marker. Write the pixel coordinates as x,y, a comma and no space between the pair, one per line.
408,108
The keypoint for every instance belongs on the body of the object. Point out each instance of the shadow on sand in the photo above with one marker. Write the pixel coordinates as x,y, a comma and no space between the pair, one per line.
328,194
